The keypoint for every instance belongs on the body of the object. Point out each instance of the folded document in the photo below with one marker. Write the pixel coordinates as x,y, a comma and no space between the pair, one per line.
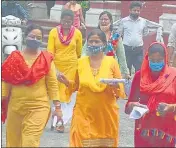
138,112
113,81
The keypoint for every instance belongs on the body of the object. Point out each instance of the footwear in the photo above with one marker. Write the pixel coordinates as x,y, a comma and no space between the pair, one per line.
60,128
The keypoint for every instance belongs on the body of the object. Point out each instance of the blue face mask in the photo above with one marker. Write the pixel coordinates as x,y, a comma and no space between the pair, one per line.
156,66
94,50
33,44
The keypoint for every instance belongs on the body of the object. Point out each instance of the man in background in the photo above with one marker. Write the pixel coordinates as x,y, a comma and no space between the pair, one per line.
132,29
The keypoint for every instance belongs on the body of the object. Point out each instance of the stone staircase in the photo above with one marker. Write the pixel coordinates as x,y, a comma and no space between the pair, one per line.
39,16
48,24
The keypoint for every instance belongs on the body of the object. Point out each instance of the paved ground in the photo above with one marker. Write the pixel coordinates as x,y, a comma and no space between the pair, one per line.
53,139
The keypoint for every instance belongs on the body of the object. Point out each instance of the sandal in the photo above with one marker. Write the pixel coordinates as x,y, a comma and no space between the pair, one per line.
60,128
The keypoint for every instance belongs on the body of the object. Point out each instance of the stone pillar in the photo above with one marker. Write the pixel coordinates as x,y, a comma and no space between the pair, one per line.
92,16
38,10
168,18
56,10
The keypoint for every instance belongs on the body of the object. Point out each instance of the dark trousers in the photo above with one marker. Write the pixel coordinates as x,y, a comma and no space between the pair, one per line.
49,5
84,15
134,57
48,11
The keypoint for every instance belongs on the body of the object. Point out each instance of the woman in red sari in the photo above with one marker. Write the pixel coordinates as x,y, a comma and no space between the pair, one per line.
155,86
28,83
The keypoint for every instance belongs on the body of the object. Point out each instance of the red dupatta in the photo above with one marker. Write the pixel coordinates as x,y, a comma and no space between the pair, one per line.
164,81
61,36
15,71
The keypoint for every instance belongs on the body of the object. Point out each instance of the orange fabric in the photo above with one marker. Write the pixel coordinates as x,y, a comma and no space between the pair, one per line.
164,81
15,70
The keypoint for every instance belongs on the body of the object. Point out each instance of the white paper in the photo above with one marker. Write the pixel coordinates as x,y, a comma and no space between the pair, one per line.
138,112
113,81
67,109
54,121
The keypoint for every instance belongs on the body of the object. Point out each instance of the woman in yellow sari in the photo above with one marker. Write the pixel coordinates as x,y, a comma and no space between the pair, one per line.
95,119
65,43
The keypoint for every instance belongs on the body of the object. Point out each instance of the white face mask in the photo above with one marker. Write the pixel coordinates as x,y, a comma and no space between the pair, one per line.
105,28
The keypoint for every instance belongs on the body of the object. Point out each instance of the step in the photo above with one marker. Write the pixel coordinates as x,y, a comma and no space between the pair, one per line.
45,38
46,29
43,22
100,4
47,25
46,34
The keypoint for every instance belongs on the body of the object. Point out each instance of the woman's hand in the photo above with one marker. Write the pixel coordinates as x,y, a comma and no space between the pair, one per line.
128,77
164,108
114,85
61,78
133,104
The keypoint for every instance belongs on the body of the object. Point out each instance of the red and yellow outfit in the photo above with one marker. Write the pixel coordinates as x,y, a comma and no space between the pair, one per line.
28,83
153,130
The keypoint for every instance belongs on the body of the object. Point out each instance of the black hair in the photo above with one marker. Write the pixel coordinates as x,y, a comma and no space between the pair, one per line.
31,27
67,12
135,4
157,48
99,33
110,18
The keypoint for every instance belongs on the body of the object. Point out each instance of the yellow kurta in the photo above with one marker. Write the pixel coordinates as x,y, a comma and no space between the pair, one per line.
29,109
95,119
65,57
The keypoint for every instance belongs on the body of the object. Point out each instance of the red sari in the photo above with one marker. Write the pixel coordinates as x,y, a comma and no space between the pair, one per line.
15,71
153,130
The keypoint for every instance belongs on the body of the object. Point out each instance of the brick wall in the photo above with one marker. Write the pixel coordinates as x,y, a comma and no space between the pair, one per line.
151,9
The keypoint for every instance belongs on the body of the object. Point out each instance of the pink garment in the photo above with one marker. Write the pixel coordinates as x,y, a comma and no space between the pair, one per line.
77,21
